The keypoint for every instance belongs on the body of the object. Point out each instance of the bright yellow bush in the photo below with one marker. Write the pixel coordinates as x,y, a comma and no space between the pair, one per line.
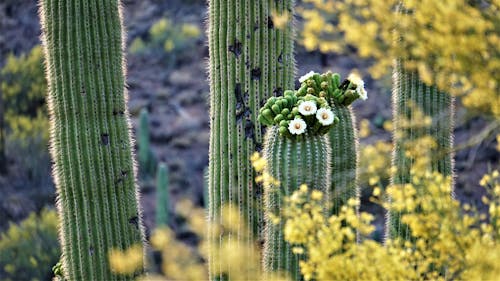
447,242
450,43
236,259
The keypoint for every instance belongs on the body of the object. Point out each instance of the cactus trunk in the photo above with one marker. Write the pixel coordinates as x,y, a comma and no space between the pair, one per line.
304,160
413,101
90,135
250,59
344,143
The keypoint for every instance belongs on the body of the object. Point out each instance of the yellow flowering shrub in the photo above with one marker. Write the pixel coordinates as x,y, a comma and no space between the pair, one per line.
447,242
235,259
450,43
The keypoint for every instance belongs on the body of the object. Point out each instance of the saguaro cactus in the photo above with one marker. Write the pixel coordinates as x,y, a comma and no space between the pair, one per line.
90,138
343,137
413,102
250,59
162,196
297,151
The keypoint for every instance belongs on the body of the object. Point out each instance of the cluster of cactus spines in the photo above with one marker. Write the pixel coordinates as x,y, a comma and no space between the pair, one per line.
147,159
413,99
250,59
90,137
162,196
343,136
293,162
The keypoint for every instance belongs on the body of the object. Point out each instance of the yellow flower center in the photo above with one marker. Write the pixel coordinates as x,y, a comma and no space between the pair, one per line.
307,107
324,116
297,126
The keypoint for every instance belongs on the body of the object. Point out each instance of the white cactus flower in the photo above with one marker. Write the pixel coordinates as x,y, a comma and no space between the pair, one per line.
297,126
306,76
360,85
307,108
325,116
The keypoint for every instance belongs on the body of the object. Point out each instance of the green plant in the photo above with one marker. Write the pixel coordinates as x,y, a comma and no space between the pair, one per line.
22,96
28,250
23,83
250,59
343,137
147,159
162,196
89,135
28,137
167,38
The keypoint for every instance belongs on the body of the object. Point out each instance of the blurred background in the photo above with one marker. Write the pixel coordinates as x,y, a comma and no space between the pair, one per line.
167,59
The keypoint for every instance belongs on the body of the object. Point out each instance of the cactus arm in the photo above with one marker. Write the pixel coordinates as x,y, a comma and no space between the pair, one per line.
89,134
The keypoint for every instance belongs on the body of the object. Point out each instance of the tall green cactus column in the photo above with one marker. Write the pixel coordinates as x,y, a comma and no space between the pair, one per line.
250,60
90,138
420,111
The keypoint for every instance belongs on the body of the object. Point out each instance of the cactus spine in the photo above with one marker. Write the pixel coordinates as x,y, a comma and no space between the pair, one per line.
147,161
302,160
250,59
412,100
90,135
162,196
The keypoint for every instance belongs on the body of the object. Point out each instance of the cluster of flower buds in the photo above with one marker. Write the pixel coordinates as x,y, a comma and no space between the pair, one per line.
329,86
296,116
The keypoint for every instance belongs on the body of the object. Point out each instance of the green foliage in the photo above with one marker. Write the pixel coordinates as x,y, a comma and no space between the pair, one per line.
162,196
23,83
168,38
27,143
23,87
30,249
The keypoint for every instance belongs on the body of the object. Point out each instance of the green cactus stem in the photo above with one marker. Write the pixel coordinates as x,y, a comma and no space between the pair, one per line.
292,161
90,139
413,101
162,196
147,159
250,59
343,136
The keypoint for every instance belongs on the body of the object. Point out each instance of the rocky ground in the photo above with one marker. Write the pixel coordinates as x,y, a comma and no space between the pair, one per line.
177,99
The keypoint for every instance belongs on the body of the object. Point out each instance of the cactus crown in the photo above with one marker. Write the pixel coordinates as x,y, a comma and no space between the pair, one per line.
308,111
